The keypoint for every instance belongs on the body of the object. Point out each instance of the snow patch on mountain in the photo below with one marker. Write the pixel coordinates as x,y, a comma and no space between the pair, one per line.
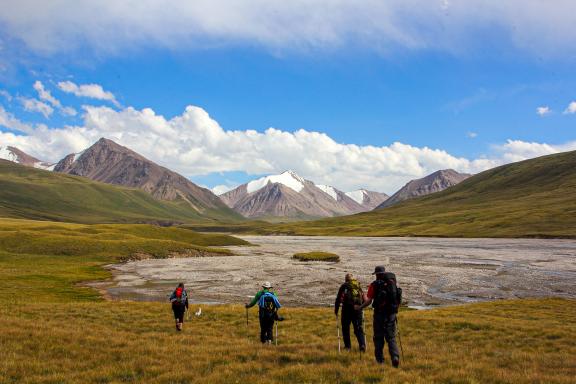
357,196
77,155
329,190
288,178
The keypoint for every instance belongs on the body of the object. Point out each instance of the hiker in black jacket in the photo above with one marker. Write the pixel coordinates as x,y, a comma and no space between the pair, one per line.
350,294
179,300
385,298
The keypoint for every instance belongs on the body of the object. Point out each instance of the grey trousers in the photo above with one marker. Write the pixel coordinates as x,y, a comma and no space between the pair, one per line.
385,331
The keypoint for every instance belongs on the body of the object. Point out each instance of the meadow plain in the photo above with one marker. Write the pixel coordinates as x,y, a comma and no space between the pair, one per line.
53,330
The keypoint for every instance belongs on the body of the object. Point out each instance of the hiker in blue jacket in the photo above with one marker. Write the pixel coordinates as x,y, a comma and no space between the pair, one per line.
268,306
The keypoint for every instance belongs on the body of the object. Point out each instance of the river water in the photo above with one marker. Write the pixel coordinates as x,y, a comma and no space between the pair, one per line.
431,271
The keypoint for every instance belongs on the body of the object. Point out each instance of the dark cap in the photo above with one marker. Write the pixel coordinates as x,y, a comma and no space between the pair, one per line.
379,269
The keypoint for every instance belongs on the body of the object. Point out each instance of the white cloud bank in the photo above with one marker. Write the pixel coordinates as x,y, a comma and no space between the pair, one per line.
92,91
195,144
543,28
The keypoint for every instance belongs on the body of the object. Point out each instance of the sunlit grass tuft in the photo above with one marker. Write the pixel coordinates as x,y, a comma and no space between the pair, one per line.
317,256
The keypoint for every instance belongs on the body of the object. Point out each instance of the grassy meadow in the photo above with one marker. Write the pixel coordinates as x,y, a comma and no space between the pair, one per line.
317,256
53,330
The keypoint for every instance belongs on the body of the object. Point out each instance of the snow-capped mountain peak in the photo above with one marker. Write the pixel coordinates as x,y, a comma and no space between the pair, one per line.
288,178
329,190
357,196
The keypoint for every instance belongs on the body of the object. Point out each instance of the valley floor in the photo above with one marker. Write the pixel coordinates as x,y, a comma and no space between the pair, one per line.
53,331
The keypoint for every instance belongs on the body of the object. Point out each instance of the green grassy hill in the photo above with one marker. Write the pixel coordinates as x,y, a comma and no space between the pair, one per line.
532,198
41,195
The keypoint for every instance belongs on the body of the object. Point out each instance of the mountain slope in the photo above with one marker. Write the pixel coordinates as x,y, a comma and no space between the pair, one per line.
41,195
110,163
435,182
532,198
289,196
20,157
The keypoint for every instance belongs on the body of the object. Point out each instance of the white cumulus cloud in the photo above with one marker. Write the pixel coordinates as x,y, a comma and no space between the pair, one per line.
543,111
193,143
35,105
92,91
472,135
45,94
571,109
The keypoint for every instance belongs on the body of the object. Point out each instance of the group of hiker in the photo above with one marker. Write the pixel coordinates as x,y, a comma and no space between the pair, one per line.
383,294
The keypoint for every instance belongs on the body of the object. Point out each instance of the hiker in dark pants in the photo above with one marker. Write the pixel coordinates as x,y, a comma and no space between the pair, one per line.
385,298
350,294
179,300
268,306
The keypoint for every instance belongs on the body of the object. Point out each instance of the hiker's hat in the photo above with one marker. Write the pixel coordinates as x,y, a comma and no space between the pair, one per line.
379,269
266,285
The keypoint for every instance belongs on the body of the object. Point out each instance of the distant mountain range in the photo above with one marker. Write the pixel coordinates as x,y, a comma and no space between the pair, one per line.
435,182
531,198
288,195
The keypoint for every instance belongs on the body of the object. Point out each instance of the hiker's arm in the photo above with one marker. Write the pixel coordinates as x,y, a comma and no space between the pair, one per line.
364,305
254,300
172,297
186,300
368,301
338,300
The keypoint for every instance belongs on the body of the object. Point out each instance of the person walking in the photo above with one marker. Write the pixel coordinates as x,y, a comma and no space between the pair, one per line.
179,300
385,297
349,295
268,306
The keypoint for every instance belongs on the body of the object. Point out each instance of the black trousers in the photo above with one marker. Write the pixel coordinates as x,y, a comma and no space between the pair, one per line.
385,330
356,318
266,327
179,310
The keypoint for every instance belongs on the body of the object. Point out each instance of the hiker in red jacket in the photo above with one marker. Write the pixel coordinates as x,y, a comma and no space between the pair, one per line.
179,300
385,297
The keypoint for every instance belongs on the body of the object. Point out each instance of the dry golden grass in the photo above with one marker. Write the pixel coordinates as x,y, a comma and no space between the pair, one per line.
527,341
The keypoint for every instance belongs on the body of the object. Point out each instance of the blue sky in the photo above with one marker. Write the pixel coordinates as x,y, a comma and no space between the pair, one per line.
472,100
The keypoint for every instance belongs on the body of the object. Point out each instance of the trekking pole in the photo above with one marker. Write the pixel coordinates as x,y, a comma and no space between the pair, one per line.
276,338
246,318
338,333
399,338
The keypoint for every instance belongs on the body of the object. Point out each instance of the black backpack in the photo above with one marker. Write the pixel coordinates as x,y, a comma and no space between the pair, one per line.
387,295
269,306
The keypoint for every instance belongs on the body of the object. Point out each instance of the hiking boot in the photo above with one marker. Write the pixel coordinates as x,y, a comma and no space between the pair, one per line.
362,348
396,362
